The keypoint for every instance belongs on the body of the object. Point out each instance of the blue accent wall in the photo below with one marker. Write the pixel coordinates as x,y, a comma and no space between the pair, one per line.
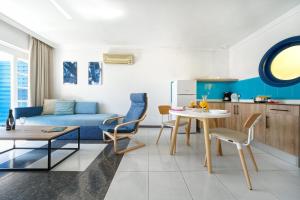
248,89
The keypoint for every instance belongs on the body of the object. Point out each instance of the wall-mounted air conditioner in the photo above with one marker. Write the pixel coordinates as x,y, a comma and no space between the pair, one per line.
109,58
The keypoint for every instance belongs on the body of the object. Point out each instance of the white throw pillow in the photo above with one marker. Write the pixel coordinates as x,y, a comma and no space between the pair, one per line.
49,107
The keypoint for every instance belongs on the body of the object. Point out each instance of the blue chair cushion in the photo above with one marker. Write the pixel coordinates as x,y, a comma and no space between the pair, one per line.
85,107
64,107
137,109
111,128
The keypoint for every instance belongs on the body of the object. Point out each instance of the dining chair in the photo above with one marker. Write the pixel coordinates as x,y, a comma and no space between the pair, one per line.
167,122
241,140
129,127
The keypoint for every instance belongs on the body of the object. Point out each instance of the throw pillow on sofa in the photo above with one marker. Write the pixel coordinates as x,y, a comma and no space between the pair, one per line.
84,107
64,107
49,107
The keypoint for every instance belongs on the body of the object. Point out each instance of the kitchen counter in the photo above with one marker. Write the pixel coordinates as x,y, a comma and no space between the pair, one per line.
281,102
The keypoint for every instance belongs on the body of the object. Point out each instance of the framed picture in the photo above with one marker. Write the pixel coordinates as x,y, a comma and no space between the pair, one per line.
70,72
95,73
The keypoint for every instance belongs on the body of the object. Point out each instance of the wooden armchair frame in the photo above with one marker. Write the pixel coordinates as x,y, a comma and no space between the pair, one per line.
115,136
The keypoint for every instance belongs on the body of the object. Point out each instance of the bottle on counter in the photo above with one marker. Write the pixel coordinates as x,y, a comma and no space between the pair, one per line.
10,122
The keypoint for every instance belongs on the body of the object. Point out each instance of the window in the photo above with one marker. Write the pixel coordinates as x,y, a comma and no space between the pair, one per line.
22,83
14,73
5,85
280,66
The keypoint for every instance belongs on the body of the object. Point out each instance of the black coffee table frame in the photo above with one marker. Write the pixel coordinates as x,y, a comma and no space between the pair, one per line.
49,151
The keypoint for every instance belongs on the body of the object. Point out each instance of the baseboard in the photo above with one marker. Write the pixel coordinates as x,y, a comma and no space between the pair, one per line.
150,126
294,160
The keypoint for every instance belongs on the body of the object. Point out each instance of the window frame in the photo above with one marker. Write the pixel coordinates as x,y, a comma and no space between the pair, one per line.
266,62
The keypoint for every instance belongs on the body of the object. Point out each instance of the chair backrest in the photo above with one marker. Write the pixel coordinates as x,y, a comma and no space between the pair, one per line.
164,109
139,103
250,125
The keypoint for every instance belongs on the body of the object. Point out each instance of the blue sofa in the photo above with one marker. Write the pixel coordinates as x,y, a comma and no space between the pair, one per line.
89,123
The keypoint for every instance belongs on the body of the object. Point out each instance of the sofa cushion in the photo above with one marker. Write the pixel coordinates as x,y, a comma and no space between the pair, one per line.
64,107
69,120
85,107
49,107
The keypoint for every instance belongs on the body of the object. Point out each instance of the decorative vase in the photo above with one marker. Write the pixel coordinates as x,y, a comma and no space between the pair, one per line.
203,104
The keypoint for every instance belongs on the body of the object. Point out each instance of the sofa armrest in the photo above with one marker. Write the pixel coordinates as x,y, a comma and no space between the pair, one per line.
28,111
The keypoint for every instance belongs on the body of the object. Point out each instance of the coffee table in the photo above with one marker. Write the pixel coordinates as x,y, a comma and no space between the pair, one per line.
34,133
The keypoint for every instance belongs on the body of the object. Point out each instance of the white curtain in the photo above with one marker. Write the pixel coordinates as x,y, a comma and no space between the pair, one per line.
41,59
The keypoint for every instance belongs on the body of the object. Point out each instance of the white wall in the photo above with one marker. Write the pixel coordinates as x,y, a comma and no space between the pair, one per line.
244,57
152,72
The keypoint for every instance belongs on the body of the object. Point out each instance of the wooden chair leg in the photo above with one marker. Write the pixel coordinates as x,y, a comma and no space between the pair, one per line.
219,148
115,145
245,170
160,132
252,157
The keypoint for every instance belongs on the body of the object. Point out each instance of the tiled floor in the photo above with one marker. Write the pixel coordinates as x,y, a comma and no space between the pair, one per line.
151,173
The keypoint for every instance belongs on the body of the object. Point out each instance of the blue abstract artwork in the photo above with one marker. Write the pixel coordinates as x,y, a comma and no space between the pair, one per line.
70,72
95,73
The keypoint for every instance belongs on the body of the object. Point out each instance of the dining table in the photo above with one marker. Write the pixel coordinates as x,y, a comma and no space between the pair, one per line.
204,117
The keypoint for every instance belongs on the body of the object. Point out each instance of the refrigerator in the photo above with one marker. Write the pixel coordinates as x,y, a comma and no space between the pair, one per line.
182,93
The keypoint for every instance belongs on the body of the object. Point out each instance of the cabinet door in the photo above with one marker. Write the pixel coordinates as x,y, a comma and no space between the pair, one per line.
234,121
283,128
247,109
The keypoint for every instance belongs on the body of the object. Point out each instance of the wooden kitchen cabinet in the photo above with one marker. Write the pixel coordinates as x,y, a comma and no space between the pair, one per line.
247,109
234,121
282,128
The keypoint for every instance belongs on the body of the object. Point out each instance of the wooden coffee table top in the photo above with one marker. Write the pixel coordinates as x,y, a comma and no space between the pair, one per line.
33,133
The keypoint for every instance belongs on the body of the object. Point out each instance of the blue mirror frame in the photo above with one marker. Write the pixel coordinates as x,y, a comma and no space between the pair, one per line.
266,61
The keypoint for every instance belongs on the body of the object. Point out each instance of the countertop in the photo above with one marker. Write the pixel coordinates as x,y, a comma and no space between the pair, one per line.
281,101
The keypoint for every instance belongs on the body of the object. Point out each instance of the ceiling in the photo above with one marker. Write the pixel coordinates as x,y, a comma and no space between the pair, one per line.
206,24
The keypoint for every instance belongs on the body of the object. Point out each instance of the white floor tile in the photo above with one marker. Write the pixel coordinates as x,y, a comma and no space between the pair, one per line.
162,163
206,187
134,163
128,185
183,176
167,186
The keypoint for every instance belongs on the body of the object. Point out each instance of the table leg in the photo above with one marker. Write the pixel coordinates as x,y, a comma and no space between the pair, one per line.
174,134
219,148
78,138
188,131
49,154
207,145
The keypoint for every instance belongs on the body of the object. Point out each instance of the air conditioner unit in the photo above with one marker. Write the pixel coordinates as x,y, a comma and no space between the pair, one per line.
118,58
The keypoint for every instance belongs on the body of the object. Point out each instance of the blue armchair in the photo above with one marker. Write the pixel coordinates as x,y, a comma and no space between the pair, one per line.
130,124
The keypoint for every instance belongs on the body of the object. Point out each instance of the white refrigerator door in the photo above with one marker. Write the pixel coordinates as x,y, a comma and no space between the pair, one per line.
184,100
186,86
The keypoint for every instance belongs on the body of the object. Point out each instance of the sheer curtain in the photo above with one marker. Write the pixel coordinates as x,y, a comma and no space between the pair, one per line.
41,59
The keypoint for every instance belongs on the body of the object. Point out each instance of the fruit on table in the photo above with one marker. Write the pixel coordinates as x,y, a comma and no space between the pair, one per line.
192,104
203,104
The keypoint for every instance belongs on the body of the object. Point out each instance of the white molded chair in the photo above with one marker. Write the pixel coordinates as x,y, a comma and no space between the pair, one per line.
241,140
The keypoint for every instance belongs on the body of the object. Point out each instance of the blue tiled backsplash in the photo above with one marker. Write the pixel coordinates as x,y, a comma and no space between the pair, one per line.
248,89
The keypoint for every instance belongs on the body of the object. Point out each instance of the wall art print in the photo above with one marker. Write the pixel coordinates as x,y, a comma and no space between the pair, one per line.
70,72
95,73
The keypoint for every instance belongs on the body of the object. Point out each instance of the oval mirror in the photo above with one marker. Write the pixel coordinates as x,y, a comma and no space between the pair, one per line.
280,66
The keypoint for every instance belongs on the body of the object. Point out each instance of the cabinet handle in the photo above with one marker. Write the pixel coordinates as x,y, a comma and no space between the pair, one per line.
282,110
234,109
237,109
267,122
